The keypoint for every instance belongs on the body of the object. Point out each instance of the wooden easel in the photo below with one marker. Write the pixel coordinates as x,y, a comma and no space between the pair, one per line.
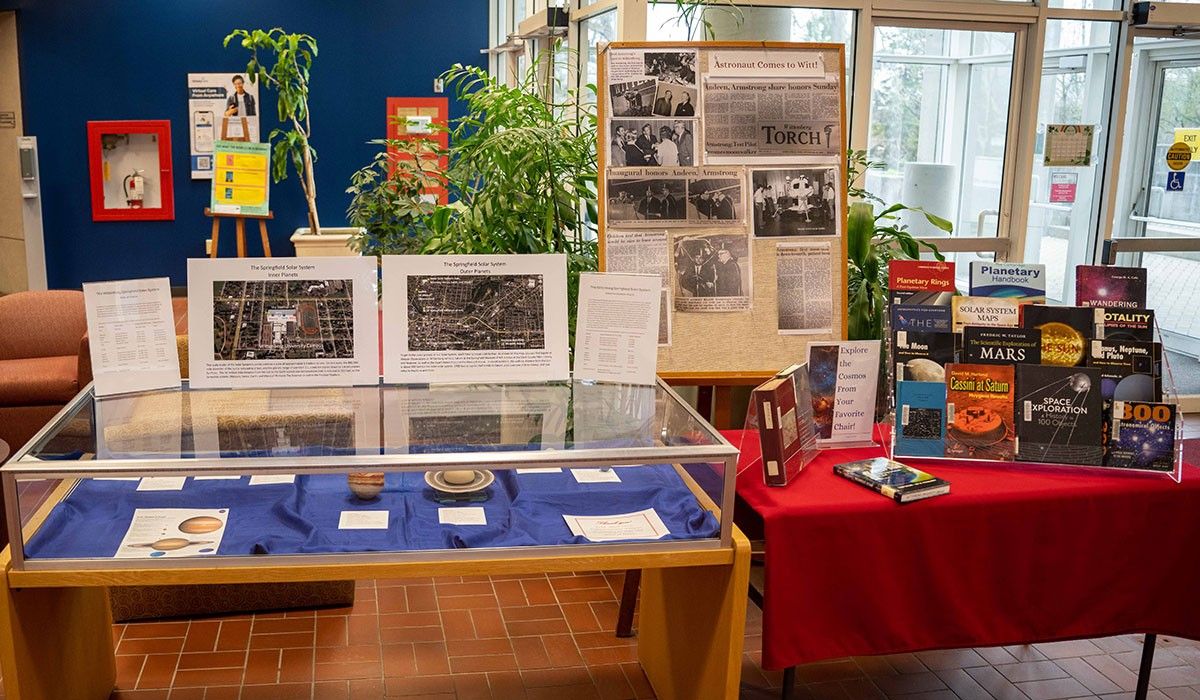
239,221
225,129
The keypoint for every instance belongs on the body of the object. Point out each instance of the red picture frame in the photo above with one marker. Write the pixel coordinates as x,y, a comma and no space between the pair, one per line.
438,109
115,150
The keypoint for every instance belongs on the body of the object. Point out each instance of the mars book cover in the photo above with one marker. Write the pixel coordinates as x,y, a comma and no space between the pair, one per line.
1128,324
1130,370
1025,282
921,407
1110,286
920,282
1143,436
918,317
1002,346
1060,415
1065,331
979,412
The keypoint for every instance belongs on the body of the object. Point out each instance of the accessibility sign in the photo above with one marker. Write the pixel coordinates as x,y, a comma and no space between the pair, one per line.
1175,181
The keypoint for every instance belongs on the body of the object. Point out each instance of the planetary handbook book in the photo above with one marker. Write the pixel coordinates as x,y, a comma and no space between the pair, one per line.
1025,282
921,408
1110,286
1059,415
979,411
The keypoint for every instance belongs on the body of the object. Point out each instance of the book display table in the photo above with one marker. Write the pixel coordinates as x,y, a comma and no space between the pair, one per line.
251,486
1012,555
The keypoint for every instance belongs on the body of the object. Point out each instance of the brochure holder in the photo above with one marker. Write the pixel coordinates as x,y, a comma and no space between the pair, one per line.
894,425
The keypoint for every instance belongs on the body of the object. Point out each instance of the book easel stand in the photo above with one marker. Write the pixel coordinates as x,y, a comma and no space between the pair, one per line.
225,129
239,221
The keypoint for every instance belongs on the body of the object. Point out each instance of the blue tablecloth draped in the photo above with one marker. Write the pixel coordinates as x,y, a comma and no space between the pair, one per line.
301,518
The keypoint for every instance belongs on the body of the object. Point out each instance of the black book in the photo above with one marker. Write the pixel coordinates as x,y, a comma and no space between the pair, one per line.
985,345
921,356
1130,370
1143,436
918,317
1059,415
1065,331
1128,324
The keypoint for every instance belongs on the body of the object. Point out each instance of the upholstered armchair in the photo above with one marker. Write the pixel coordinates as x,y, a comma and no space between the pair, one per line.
43,359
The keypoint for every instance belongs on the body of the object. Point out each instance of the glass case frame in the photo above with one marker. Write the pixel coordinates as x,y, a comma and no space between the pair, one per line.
699,443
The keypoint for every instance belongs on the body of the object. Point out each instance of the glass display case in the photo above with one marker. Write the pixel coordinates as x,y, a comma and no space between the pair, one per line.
240,477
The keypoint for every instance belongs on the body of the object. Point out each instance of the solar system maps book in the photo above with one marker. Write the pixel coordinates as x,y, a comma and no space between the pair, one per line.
979,412
1143,436
1059,415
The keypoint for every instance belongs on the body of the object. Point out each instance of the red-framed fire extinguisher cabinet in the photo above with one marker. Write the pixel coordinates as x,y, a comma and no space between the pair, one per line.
130,170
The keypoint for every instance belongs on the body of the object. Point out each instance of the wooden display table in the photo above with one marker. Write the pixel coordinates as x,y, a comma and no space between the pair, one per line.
56,626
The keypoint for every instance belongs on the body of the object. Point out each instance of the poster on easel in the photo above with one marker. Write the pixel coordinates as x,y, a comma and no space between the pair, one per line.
241,178
723,170
214,98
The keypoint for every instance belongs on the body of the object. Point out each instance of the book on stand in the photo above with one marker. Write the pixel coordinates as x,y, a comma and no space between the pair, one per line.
979,412
929,282
1066,331
1001,346
1025,282
786,432
921,410
1143,436
899,482
1059,416
1110,286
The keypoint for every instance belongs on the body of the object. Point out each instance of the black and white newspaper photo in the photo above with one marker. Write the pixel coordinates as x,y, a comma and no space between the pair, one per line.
664,318
712,271
715,197
803,280
671,100
646,196
796,201
651,142
632,98
642,252
673,67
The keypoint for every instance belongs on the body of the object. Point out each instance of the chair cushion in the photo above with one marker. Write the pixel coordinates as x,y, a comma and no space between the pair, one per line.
38,381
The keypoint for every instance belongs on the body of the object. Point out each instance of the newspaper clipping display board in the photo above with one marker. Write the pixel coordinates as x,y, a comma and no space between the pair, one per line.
723,172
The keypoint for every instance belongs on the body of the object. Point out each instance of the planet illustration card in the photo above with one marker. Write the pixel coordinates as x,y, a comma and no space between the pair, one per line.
1110,286
1143,436
979,412
1059,415
168,533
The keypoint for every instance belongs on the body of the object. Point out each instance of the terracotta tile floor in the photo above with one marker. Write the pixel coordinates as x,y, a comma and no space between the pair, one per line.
550,637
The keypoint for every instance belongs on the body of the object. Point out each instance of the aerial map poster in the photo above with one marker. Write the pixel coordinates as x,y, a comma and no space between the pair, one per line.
282,322
474,318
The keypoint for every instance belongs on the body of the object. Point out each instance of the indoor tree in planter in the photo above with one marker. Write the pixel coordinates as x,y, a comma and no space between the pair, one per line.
284,65
385,197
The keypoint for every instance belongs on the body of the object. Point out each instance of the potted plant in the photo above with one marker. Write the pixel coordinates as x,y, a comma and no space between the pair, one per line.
283,62
387,205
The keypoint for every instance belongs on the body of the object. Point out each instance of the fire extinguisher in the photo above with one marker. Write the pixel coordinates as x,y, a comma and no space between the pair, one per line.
135,189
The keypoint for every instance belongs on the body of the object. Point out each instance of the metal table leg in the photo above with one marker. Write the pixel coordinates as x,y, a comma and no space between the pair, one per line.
1143,680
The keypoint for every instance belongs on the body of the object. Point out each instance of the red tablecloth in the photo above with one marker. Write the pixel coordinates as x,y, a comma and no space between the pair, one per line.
1011,555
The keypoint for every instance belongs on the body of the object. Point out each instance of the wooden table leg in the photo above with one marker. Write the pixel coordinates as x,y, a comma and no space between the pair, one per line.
216,231
722,418
241,236
55,643
692,624
262,231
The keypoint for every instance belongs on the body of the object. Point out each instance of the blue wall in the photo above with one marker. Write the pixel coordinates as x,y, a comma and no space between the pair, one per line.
87,60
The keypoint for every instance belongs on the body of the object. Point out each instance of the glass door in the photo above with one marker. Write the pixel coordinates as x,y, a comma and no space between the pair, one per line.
942,113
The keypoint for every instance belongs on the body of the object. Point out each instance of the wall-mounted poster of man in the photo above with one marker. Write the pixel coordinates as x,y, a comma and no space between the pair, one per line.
646,200
678,67
796,201
715,201
634,98
712,272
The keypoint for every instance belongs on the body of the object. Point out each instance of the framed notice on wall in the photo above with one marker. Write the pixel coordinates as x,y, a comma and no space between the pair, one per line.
723,171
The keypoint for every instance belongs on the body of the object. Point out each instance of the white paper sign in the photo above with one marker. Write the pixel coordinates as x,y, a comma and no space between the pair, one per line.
363,520
540,470
283,322
843,378
616,332
474,318
162,483
642,525
464,515
595,476
765,63
156,533
131,335
265,479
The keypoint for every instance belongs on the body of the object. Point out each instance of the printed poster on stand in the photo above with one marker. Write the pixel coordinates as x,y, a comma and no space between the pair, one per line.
474,318
241,183
274,322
